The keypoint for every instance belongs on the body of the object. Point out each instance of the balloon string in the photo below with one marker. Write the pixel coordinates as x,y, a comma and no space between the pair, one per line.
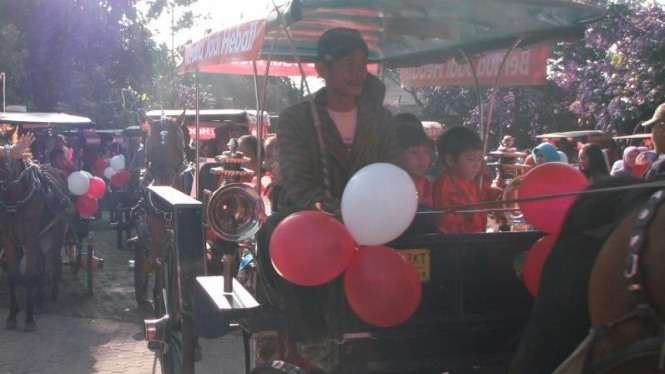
464,208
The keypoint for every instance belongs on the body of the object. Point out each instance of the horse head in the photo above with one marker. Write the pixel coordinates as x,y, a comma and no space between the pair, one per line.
8,136
165,149
8,133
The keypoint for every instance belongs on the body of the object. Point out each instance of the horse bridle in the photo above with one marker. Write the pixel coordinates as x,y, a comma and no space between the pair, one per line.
147,205
635,276
163,133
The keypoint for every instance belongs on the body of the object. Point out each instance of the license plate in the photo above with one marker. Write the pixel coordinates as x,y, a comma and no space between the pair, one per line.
420,258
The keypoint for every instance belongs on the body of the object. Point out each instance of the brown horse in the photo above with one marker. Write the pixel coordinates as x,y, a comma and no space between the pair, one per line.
626,302
166,166
603,274
28,191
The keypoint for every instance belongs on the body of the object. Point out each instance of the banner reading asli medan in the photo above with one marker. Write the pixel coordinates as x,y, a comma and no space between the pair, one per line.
522,68
240,43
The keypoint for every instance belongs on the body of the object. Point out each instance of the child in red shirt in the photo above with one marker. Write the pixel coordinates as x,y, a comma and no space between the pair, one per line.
417,160
460,149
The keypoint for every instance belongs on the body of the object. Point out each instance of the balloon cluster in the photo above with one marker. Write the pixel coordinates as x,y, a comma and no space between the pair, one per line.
311,248
88,189
114,170
547,215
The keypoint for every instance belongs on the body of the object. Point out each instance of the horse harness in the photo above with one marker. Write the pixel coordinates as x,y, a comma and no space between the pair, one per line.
650,344
6,185
146,205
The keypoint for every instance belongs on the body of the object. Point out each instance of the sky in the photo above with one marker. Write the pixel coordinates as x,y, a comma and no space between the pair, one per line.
216,15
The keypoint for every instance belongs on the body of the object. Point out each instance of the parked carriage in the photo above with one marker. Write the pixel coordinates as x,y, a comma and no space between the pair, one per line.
78,240
474,306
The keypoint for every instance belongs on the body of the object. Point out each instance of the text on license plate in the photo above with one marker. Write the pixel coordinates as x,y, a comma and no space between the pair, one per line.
420,258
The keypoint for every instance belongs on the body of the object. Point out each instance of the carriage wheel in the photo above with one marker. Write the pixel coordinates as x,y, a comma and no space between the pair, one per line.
142,270
277,367
177,354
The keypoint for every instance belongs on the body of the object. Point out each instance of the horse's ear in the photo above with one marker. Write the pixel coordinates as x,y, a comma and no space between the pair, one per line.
9,132
181,118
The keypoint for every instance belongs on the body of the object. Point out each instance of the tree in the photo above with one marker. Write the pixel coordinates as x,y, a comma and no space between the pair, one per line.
610,80
78,56
617,74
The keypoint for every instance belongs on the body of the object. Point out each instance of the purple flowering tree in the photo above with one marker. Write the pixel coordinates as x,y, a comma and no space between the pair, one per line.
611,80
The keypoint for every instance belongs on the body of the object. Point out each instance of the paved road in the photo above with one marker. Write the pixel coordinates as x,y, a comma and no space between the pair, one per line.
98,334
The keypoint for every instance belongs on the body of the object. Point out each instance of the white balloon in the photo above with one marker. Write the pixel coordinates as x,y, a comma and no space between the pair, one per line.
108,173
118,162
86,174
78,183
379,203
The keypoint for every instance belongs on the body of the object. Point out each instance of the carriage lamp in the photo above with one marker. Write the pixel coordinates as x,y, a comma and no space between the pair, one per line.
158,329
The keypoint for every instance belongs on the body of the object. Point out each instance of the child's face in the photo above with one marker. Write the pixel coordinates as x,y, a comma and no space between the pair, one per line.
250,153
417,160
467,165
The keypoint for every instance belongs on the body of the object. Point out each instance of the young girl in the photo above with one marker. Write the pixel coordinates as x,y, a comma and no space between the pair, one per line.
417,160
461,151
592,162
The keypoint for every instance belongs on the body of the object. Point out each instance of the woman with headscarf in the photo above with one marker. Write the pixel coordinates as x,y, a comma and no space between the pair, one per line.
644,160
626,166
545,152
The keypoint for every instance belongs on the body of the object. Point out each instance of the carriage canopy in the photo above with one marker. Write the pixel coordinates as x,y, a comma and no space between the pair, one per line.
43,120
399,33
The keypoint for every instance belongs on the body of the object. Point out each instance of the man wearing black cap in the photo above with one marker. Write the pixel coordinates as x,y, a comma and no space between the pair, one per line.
657,124
357,131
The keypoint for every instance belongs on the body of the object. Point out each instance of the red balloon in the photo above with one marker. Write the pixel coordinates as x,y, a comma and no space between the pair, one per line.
120,177
547,179
383,288
535,260
100,165
87,205
97,187
311,248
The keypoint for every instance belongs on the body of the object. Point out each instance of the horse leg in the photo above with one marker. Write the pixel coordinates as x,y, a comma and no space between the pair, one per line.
32,250
12,267
54,257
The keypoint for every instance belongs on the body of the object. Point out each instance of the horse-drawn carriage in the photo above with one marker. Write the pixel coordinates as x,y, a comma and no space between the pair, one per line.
31,190
473,307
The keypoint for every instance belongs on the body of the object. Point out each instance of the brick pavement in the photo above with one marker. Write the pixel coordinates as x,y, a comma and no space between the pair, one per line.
74,345
99,334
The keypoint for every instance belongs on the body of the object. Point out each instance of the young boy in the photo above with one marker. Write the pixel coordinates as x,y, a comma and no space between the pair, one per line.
461,151
417,160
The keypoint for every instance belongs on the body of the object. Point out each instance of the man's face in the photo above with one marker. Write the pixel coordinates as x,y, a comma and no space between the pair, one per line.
658,137
60,162
345,76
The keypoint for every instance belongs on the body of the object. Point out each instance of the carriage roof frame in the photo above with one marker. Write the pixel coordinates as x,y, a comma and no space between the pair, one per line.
46,120
646,135
571,134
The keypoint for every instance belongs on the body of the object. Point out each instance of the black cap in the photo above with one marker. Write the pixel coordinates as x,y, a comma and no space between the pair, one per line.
339,42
